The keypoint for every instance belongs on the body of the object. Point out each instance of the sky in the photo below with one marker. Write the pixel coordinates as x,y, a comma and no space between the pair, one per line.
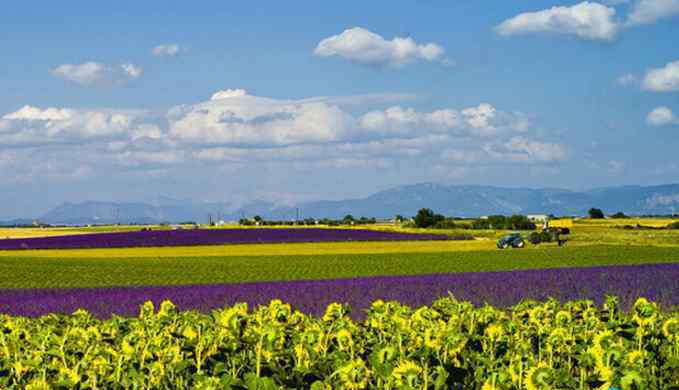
293,101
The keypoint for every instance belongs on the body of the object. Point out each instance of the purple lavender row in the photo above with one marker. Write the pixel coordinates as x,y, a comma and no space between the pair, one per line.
656,282
208,237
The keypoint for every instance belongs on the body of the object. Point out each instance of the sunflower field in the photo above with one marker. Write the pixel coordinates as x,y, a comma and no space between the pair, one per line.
449,345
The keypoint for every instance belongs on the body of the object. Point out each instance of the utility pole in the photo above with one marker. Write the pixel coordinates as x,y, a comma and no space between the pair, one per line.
297,216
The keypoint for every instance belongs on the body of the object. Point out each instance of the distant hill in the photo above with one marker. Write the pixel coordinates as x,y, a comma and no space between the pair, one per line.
451,200
17,222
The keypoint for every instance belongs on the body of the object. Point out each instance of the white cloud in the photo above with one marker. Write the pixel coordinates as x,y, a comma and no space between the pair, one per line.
586,20
234,128
167,50
233,117
661,116
520,149
664,79
94,73
516,149
35,113
228,93
650,11
482,120
35,126
367,48
627,80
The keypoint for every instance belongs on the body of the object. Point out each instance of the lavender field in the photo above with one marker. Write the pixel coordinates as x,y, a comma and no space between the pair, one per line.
657,282
162,238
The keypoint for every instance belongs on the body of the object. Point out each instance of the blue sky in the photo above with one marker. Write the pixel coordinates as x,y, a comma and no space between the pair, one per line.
326,101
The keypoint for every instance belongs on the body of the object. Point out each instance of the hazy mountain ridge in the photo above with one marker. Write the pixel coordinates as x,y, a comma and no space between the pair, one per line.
451,200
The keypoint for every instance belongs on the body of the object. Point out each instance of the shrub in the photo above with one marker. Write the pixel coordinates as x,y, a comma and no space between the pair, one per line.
447,223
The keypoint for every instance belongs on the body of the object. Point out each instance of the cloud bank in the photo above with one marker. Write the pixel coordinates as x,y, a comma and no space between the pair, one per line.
234,127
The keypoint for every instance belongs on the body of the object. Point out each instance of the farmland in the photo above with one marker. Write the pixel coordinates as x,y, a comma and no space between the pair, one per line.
40,272
418,275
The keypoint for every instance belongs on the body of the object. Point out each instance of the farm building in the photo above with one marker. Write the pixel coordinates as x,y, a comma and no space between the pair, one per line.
538,218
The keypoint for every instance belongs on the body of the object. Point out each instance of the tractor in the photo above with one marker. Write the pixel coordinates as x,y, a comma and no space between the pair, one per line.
514,240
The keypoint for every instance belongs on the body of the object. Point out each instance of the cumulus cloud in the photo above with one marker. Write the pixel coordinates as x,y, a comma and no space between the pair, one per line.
650,11
167,50
35,126
665,79
586,20
367,48
233,117
97,74
234,128
661,116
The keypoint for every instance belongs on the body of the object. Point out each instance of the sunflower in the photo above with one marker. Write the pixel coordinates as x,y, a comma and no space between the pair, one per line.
406,373
563,318
538,377
38,384
635,359
354,375
670,328
494,331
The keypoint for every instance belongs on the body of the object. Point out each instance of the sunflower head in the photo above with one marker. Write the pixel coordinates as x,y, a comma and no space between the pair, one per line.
344,339
635,359
670,328
644,311
494,331
354,375
563,318
406,373
539,377
335,311
604,340
38,384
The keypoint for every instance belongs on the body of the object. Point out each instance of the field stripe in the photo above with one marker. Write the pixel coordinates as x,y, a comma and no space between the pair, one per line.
24,272
657,282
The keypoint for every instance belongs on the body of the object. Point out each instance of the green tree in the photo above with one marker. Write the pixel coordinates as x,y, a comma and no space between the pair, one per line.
427,218
595,213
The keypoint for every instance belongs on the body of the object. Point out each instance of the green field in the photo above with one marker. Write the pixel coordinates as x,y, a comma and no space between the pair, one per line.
27,272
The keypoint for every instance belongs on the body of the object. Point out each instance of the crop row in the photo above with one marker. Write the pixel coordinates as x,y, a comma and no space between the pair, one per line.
208,237
35,272
450,344
504,289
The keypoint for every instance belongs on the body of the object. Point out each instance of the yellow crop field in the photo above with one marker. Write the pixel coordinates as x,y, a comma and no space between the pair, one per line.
37,232
612,222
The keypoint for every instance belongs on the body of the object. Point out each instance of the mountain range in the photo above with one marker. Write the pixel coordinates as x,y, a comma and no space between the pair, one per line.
450,200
